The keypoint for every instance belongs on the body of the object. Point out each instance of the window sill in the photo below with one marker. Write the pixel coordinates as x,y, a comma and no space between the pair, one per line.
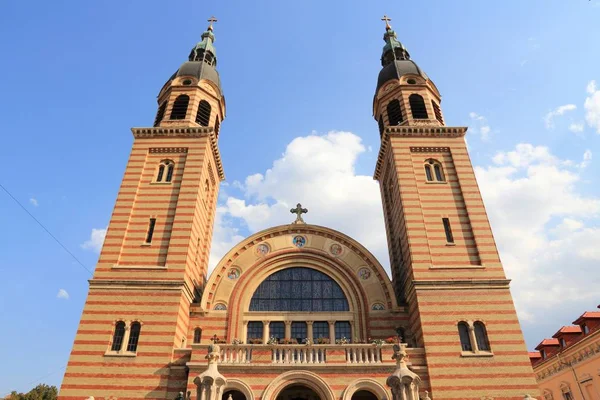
156,267
479,354
436,182
161,183
117,354
146,244
450,244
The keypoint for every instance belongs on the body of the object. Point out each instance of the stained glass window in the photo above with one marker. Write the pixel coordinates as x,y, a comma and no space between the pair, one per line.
255,330
299,331
299,289
342,329
320,329
277,329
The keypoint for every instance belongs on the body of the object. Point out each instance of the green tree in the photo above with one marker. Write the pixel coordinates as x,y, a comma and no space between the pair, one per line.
40,392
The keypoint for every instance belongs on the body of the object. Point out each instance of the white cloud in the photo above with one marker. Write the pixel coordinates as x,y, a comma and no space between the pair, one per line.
95,241
587,159
317,171
544,228
549,118
33,201
480,126
592,106
62,294
576,127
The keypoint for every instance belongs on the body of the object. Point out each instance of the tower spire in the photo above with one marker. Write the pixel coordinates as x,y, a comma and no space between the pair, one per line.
210,23
387,22
393,49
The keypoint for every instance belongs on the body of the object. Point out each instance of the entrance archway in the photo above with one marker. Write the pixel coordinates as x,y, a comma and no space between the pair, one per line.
298,392
364,395
233,395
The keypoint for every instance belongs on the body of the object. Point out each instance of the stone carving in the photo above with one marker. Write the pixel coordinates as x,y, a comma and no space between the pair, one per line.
403,382
299,211
210,383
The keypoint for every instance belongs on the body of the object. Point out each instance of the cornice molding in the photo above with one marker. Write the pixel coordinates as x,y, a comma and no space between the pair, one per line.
458,284
184,132
429,149
164,150
143,285
414,131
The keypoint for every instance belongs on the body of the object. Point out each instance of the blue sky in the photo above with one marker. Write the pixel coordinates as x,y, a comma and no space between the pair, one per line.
299,79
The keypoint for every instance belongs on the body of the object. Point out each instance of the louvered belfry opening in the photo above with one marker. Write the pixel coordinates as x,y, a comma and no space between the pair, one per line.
380,122
437,111
203,114
180,107
160,114
217,126
394,112
417,107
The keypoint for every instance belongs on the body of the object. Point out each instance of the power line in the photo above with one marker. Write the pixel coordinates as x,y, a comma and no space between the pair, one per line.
42,377
46,229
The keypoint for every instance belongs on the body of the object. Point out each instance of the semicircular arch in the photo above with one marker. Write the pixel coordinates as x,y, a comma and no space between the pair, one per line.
302,378
236,384
368,384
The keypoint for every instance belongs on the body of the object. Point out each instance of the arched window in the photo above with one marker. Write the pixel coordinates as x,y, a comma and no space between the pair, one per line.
134,336
380,123
483,344
161,172
203,114
160,114
417,106
434,171
299,289
463,333
437,111
217,127
364,395
197,335
394,112
169,167
180,107
118,336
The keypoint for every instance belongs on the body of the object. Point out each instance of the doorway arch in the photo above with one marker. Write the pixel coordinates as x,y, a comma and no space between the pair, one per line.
306,379
365,388
297,392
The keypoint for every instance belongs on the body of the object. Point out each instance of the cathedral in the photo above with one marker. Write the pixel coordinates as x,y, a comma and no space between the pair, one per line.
299,311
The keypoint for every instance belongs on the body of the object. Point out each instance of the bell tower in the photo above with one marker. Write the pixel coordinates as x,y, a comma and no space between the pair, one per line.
154,260
445,265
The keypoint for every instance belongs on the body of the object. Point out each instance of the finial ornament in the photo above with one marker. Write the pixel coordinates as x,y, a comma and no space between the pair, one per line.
387,22
210,22
299,211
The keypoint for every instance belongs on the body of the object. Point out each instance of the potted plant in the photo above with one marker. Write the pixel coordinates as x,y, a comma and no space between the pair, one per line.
255,341
307,341
288,341
378,342
391,340
342,340
273,341
236,341
323,340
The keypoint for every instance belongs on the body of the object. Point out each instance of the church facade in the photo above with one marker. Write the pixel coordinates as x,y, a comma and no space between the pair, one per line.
299,311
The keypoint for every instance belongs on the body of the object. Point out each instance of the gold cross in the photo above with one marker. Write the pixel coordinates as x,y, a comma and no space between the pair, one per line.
387,21
210,21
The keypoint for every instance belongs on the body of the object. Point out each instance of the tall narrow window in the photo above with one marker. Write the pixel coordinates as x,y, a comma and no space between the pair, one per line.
448,230
438,172
180,107
217,126
417,107
463,333
299,331
150,230
481,336
380,123
160,114
401,334
170,169
277,330
437,111
343,329
118,336
161,173
197,335
255,330
134,336
203,114
394,112
428,173
320,329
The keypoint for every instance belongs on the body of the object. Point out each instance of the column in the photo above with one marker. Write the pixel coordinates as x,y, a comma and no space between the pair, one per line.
309,330
472,337
266,331
244,335
353,334
331,331
288,329
125,337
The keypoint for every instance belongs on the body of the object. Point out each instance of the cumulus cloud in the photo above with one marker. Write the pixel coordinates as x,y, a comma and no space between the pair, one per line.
576,127
592,106
480,126
319,172
62,294
561,110
95,241
545,228
33,201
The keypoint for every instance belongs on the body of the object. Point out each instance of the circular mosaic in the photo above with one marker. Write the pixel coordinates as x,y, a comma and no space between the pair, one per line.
377,307
335,249
364,273
299,241
262,249
233,273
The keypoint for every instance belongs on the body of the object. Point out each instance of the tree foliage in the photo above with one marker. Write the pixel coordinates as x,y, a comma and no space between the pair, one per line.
40,392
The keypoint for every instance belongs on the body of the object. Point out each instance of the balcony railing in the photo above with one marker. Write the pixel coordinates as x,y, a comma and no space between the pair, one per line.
360,354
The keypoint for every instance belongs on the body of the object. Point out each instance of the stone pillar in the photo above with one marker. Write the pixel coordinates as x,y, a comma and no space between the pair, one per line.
244,335
309,330
403,382
332,331
210,383
266,331
473,338
288,329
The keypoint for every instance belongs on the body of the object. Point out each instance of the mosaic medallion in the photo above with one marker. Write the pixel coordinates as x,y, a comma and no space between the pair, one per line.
220,307
262,249
299,241
335,249
364,273
378,307
233,273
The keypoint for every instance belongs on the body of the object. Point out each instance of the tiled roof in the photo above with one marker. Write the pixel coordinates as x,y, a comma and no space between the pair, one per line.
548,342
587,315
535,354
567,329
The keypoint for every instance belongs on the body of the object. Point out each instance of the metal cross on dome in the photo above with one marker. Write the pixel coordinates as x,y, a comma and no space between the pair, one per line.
211,20
299,211
387,21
